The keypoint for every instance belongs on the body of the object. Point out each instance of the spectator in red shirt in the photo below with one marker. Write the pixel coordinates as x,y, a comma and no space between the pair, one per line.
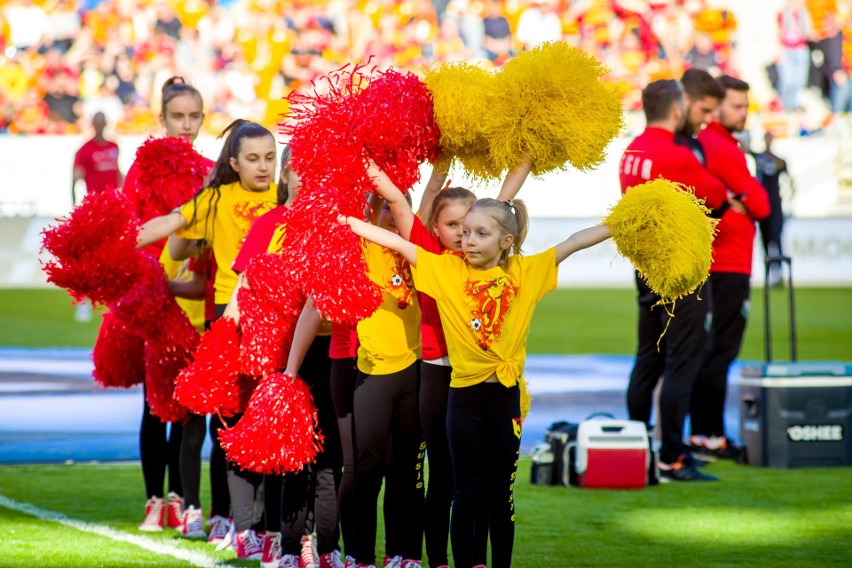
730,271
654,154
96,162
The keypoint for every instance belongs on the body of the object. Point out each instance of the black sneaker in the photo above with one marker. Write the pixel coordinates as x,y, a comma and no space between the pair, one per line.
690,458
727,451
681,470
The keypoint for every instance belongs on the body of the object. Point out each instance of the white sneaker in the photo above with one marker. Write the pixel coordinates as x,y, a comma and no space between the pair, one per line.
155,511
230,540
219,527
289,561
192,524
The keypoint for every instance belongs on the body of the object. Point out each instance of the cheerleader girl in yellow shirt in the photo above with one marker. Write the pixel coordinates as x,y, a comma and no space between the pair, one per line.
486,301
239,190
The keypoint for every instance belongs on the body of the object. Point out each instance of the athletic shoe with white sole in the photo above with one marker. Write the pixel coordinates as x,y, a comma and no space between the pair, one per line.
248,545
193,524
155,511
218,527
174,511
332,560
271,550
309,554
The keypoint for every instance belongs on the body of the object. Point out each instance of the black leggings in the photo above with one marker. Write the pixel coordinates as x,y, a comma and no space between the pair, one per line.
158,449
677,360
319,481
484,430
386,413
434,390
194,431
220,496
729,306
344,376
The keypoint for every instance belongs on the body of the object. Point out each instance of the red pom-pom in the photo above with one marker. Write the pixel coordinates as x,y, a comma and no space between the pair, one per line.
162,365
170,173
333,271
210,383
266,335
93,249
386,114
119,354
278,432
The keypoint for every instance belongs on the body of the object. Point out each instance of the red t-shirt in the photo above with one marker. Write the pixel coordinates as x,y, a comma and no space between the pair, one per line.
344,341
734,242
432,333
655,154
207,265
259,237
99,162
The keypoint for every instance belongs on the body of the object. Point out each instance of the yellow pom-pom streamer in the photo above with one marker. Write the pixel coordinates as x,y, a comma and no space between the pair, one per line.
551,103
526,399
459,92
663,229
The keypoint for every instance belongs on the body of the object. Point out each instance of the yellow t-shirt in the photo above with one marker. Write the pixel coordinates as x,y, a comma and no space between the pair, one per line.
179,270
390,338
224,223
486,313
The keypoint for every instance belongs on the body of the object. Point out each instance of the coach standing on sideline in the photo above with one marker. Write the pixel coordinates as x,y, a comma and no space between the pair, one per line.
654,154
730,271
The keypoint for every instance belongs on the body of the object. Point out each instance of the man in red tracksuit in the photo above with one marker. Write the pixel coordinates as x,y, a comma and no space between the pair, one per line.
730,271
654,154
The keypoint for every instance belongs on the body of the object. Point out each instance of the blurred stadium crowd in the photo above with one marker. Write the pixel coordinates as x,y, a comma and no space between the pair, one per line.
62,60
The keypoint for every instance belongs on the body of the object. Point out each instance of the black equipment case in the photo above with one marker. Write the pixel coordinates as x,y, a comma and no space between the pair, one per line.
795,414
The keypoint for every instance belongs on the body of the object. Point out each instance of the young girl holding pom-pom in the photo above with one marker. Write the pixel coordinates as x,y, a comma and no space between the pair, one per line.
441,233
239,190
181,116
486,302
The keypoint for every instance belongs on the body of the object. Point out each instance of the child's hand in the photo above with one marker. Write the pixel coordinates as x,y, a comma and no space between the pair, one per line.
374,172
343,220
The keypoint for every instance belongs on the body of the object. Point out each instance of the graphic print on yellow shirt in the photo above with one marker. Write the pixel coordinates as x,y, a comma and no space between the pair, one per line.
399,283
490,301
224,223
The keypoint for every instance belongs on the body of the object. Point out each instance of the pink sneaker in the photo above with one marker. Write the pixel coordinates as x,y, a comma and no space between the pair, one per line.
155,511
331,560
309,555
248,546
174,511
271,550
219,528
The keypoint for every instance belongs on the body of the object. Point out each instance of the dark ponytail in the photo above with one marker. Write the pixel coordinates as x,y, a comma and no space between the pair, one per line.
223,173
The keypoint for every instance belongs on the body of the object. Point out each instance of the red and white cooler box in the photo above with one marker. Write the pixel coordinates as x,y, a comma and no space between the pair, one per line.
612,454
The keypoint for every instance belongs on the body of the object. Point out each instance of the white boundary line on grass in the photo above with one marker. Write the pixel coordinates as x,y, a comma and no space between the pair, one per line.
194,558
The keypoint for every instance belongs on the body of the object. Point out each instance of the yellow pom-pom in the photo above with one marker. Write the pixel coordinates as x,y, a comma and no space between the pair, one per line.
663,229
458,94
551,102
526,399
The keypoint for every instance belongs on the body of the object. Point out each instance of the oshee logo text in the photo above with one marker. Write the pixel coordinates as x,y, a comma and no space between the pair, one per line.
815,433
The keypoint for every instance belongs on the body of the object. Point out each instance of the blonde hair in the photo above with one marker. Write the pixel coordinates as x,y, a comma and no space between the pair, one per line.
445,198
512,219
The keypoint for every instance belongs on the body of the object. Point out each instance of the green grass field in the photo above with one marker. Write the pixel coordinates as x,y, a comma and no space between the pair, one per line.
567,321
753,517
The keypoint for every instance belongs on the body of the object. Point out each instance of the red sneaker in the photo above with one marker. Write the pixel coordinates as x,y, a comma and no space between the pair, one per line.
174,511
248,546
155,511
